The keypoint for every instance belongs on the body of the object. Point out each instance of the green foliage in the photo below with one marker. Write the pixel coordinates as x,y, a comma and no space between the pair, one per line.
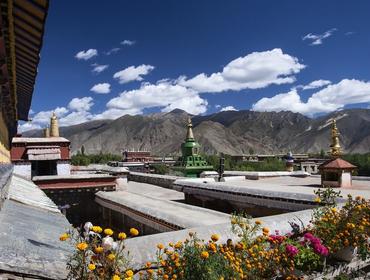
231,163
161,169
362,161
85,159
307,259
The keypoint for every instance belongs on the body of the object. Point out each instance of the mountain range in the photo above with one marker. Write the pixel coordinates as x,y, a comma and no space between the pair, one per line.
229,132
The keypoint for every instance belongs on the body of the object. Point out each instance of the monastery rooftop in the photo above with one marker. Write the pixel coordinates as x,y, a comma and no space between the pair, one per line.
36,140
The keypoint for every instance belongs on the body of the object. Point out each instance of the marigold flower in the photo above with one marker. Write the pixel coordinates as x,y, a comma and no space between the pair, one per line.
81,246
148,264
258,222
116,277
129,273
64,237
98,250
215,237
266,230
91,266
317,200
134,232
122,235
108,231
111,257
160,246
97,229
204,255
178,245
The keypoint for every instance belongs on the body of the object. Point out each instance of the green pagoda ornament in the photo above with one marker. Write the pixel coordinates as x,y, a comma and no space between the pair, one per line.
191,163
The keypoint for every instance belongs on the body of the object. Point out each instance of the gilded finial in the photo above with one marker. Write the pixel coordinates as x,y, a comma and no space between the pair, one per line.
335,149
54,128
189,134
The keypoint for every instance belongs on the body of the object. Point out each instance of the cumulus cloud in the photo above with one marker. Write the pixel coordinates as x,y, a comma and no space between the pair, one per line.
165,95
81,104
331,98
98,68
228,108
102,88
315,84
255,70
128,42
133,73
86,55
317,39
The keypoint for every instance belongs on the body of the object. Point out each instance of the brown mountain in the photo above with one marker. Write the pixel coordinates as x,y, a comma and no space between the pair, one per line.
230,132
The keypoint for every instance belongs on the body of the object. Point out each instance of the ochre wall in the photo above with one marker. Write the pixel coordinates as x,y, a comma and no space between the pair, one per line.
4,141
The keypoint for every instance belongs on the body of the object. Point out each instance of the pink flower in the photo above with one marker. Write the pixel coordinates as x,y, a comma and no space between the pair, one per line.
291,250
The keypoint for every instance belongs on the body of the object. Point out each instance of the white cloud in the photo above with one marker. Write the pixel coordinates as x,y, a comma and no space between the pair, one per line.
255,70
228,108
217,106
133,73
314,84
331,98
86,55
317,39
98,68
75,117
165,95
81,104
128,42
102,88
112,51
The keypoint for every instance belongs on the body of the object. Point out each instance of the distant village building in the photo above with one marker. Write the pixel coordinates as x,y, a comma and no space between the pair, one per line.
336,172
41,156
191,163
137,156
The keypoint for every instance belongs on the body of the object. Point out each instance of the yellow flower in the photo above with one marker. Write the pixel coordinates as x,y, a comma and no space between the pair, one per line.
97,229
134,232
160,246
215,237
111,257
91,266
317,200
129,273
108,231
204,255
116,277
178,245
64,237
122,235
81,246
359,197
258,222
266,230
99,250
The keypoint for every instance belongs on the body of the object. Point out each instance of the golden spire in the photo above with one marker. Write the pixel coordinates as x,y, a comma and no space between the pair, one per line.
335,149
54,129
189,134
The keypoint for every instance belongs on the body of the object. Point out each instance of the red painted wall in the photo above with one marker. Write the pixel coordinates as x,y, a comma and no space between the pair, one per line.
18,150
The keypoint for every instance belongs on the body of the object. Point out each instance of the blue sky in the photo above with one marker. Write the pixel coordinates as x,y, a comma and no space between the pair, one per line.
201,56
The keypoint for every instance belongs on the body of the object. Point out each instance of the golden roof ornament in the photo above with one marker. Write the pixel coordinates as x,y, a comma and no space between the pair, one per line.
189,134
54,128
335,149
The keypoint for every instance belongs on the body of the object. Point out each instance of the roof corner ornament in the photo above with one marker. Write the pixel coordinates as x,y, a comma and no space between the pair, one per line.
335,148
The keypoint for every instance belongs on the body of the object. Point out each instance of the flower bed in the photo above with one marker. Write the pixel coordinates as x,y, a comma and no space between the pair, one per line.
270,255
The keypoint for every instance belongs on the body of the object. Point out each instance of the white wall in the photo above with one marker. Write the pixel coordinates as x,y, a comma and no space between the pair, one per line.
23,170
63,168
346,179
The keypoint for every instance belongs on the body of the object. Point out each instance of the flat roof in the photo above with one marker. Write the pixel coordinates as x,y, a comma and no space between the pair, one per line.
287,186
30,226
71,177
39,139
154,201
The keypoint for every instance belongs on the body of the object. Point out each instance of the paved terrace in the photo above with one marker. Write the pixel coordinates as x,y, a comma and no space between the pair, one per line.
156,207
287,193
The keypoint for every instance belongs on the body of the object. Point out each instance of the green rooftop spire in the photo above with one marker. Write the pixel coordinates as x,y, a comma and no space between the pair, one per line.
191,163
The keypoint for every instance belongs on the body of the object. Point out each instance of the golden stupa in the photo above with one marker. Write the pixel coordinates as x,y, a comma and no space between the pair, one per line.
335,149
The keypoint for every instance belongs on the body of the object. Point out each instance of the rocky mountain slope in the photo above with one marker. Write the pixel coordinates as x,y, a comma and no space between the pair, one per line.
230,132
